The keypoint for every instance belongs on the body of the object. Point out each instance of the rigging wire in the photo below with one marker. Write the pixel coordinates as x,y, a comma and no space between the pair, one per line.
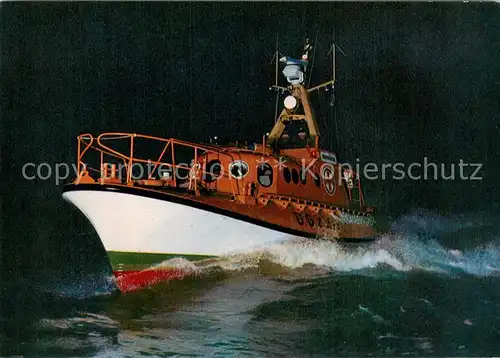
276,107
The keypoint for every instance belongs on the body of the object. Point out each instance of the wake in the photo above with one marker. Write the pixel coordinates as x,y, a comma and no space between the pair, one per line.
412,244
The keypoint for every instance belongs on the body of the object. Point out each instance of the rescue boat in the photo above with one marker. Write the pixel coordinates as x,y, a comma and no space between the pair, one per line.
153,199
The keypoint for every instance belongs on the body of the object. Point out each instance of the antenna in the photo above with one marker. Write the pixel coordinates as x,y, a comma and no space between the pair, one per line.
313,57
276,55
333,49
275,59
334,55
334,58
332,99
276,87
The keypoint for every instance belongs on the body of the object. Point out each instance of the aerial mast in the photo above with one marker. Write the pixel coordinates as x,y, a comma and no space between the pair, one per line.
298,100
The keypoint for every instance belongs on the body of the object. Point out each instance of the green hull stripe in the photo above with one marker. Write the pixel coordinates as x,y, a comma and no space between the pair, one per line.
139,261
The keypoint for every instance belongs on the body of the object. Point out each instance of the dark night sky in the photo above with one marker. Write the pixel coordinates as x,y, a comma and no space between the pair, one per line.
419,79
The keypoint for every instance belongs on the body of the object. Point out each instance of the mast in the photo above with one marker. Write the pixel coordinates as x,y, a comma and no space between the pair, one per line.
333,50
275,58
297,105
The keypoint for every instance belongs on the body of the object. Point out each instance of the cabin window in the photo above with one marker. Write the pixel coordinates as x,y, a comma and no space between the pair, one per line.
238,169
329,179
287,175
295,176
265,174
303,178
328,157
212,171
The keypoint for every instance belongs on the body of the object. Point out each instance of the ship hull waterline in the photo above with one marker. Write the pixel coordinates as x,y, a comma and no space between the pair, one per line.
142,233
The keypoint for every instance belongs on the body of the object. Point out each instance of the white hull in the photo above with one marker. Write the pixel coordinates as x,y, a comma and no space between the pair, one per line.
133,223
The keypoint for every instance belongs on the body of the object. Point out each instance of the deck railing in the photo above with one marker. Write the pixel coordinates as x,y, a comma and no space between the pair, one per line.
165,157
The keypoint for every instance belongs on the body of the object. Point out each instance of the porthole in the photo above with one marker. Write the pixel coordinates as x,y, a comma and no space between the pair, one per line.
327,173
238,169
265,174
295,176
212,171
287,175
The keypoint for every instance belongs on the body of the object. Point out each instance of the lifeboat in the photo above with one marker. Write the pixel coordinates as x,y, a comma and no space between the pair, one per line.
152,199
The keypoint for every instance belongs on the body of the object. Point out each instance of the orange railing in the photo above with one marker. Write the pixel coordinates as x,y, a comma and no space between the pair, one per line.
88,143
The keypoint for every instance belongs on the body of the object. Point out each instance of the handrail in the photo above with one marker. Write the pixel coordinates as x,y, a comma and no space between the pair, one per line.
145,136
159,158
109,149
80,154
96,143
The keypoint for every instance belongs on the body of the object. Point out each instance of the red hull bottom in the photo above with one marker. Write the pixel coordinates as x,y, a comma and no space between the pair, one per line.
134,280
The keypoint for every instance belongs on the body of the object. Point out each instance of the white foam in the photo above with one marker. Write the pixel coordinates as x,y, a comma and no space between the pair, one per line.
177,263
400,250
330,254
